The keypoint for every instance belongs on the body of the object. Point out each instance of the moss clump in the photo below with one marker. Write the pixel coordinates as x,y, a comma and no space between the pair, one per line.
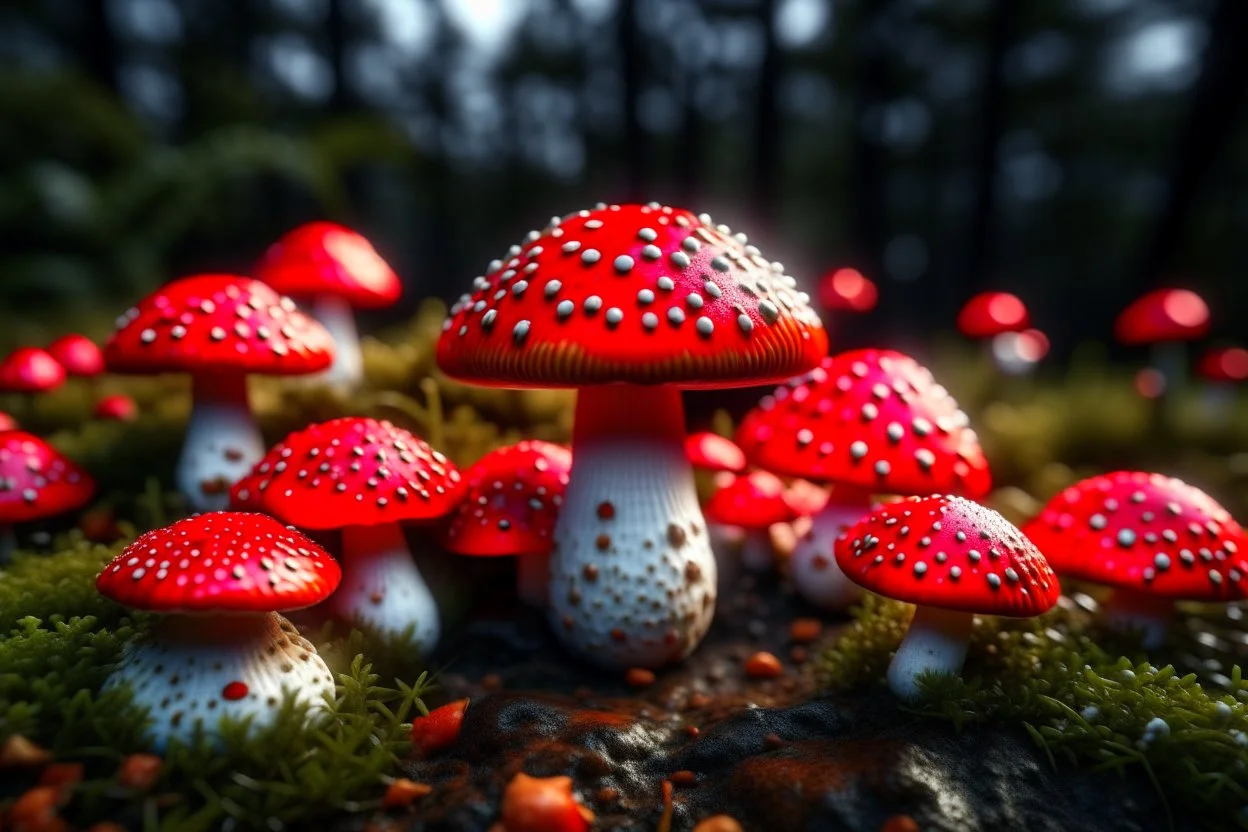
58,642
1079,703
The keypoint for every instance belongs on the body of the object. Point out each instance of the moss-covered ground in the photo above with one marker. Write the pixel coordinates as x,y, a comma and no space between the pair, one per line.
1090,699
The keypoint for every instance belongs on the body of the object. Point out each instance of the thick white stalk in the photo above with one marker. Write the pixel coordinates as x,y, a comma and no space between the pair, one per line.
337,316
632,575
382,588
1139,612
195,670
222,441
936,642
813,567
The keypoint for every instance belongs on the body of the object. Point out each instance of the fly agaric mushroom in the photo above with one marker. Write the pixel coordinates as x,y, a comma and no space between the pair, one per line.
868,422
510,507
1154,539
630,304
35,482
117,407
221,650
217,328
847,290
338,271
30,370
752,503
1164,319
78,354
991,313
364,477
951,558
711,452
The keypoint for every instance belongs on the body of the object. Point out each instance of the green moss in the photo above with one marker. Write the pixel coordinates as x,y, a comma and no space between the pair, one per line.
1078,702
59,641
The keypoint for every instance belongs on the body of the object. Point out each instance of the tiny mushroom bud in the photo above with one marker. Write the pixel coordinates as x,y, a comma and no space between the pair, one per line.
221,649
337,270
364,477
975,561
1154,539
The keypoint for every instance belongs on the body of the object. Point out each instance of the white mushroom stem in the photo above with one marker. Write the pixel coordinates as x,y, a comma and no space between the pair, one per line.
816,575
337,316
533,579
1140,612
632,580
191,670
382,588
222,441
935,643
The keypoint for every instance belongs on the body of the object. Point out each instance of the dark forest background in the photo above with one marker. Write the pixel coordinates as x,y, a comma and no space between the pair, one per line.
1076,152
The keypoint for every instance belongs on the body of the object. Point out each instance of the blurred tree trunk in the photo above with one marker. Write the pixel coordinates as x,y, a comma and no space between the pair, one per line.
867,210
634,138
98,46
337,41
767,124
981,245
1217,106
689,150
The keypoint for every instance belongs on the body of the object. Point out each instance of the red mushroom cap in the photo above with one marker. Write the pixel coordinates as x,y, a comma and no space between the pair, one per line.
323,258
950,553
1163,315
218,323
753,501
991,313
30,370
511,501
712,452
1224,364
224,561
78,354
874,419
641,294
117,408
847,290
350,472
1146,532
36,481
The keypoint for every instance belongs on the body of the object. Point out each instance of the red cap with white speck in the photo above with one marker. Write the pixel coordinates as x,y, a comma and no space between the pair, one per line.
221,562
323,258
30,370
873,419
640,294
351,471
36,481
218,323
511,501
1146,532
949,553
753,501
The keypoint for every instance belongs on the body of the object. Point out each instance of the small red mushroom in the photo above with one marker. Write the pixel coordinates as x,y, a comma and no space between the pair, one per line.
869,422
30,370
542,804
952,558
1164,319
752,503
1155,539
439,729
365,477
117,407
630,304
36,481
1018,353
510,505
338,271
991,313
708,451
221,649
218,328
1222,368
847,290
78,354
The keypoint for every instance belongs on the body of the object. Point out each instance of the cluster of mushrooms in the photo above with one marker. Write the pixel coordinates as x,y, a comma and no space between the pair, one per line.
864,452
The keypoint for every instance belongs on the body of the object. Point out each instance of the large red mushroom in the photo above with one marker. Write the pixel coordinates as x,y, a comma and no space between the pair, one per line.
509,508
630,304
220,651
951,558
36,481
1154,539
364,477
337,271
219,329
868,422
